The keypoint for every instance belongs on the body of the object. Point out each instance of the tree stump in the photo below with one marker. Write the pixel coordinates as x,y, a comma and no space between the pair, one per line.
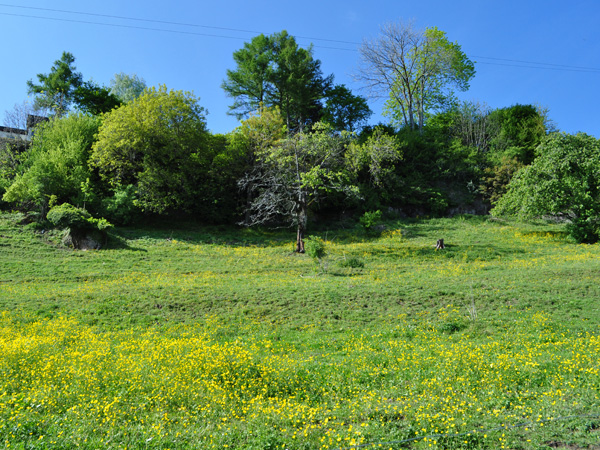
440,244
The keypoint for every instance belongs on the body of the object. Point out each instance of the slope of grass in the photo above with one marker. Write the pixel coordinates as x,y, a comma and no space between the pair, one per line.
193,337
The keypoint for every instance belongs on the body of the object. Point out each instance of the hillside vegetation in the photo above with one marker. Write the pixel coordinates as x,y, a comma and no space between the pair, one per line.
181,336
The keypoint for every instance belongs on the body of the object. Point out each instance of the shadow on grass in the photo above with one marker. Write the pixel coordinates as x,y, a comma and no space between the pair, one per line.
116,242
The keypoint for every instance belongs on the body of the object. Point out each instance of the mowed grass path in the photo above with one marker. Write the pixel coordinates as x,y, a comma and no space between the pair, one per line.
191,337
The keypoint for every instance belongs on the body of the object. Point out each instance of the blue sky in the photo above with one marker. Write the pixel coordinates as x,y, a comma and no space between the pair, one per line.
503,38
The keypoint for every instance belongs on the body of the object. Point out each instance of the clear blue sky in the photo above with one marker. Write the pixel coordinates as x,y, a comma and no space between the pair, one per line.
563,35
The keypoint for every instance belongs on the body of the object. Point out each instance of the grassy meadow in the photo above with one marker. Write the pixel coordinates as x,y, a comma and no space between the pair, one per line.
180,336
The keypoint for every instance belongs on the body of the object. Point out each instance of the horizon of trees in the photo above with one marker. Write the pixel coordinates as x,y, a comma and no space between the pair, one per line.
302,148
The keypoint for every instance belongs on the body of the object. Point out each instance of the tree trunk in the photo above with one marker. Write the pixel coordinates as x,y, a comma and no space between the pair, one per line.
301,219
300,238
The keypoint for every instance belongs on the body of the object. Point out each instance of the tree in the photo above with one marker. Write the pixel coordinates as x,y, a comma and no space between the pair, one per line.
414,69
564,179
158,143
473,125
377,156
257,133
127,87
55,90
344,110
94,99
274,71
520,129
56,164
291,175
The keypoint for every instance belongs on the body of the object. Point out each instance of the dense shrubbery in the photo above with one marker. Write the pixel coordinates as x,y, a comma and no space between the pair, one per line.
563,180
153,153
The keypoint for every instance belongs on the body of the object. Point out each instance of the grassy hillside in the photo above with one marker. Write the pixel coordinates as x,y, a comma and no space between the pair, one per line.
193,337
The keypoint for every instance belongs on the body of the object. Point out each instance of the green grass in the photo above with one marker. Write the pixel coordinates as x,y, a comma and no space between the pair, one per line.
182,336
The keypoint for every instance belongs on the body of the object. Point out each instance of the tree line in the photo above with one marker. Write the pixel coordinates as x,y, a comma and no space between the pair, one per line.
303,146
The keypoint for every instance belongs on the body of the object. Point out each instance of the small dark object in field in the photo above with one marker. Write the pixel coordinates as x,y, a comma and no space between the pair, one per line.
440,244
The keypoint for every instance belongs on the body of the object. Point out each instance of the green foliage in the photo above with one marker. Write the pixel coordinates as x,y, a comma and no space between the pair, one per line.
290,176
344,110
496,179
376,158
127,87
584,230
274,71
564,179
370,220
316,248
416,70
56,164
55,90
158,143
9,164
121,206
519,130
94,99
68,216
353,263
76,219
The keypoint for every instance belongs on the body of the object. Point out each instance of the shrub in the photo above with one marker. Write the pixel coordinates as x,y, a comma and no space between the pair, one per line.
584,230
370,220
121,206
315,248
80,223
69,216
354,263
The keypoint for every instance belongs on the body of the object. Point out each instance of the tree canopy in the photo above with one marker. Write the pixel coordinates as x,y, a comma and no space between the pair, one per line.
91,98
564,179
55,89
127,87
291,174
344,110
56,164
158,143
416,70
274,71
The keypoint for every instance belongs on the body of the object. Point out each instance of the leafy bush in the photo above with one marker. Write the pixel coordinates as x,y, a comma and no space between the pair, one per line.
56,163
315,248
584,230
370,220
69,216
121,206
79,222
354,263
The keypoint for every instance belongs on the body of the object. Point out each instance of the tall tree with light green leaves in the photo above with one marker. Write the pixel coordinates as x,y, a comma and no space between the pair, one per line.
56,165
416,70
158,143
55,89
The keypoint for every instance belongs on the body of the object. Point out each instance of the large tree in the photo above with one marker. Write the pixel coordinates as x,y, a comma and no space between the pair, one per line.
416,70
564,179
55,89
56,165
274,71
159,144
290,174
91,98
344,110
